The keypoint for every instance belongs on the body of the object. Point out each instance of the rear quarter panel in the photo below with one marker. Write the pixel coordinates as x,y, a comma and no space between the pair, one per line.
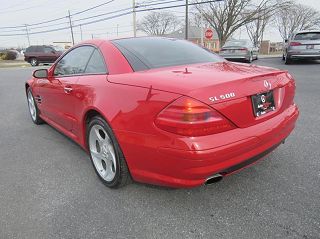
125,108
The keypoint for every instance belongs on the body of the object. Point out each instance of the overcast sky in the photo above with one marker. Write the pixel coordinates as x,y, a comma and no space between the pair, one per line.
20,12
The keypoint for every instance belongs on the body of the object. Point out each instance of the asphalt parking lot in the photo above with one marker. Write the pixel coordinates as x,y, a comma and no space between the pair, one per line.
48,188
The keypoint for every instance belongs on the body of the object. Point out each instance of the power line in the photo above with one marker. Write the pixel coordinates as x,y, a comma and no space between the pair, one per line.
91,8
21,27
102,14
59,18
104,19
14,5
51,25
175,6
22,9
152,4
145,2
64,28
128,11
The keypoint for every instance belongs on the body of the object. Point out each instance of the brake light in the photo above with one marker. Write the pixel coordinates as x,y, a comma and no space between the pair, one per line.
190,117
243,49
295,44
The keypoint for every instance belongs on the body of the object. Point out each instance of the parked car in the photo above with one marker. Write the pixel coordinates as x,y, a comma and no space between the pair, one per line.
303,45
42,54
9,54
163,111
239,50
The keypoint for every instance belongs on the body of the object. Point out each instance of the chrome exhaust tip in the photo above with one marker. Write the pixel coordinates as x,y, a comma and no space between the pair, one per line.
214,179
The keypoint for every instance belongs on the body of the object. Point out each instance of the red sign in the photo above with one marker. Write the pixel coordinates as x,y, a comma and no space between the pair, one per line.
208,34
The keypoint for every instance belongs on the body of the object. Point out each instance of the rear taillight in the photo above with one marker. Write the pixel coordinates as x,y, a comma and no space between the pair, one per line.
190,117
295,44
243,49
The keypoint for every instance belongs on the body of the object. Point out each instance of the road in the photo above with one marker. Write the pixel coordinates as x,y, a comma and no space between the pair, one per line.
48,188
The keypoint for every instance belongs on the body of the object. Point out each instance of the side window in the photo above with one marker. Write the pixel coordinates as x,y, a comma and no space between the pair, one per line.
48,50
96,63
38,49
30,49
74,62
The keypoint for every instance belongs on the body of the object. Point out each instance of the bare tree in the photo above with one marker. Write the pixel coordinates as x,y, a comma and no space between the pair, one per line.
197,20
256,28
296,17
228,16
158,23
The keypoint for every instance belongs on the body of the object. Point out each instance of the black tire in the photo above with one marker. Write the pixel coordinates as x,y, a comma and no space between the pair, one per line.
34,61
257,57
250,60
283,57
287,60
36,117
122,175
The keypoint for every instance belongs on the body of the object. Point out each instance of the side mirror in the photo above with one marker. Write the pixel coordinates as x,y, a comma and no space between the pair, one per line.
286,40
40,74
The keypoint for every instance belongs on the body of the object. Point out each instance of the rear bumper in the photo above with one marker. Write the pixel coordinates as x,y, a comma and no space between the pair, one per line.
310,56
229,152
236,57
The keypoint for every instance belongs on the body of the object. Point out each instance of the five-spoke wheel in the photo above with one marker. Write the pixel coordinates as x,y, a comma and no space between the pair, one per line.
106,155
33,109
102,153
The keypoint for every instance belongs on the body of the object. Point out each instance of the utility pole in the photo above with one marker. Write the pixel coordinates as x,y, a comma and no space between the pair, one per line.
81,31
69,16
91,36
187,20
27,34
134,16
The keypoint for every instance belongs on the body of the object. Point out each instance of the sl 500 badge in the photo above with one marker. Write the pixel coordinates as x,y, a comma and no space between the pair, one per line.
222,97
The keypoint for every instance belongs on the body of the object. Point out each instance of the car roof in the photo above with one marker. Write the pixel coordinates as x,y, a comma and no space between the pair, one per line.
39,45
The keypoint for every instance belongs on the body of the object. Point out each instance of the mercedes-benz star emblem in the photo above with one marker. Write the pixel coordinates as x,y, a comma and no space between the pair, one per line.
267,84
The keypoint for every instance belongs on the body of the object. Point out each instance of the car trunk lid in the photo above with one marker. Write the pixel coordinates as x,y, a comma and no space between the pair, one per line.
226,86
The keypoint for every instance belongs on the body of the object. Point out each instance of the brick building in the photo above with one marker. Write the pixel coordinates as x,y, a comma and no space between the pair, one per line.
195,34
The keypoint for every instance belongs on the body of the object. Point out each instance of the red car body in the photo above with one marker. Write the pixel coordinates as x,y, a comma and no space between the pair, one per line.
132,101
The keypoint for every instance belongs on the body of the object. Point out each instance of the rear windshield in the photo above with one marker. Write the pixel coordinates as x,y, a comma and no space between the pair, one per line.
236,43
308,36
156,52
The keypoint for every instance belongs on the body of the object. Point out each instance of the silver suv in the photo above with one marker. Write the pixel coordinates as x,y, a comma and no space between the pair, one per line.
302,45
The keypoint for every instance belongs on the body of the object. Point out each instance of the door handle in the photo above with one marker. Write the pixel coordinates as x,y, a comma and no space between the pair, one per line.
68,89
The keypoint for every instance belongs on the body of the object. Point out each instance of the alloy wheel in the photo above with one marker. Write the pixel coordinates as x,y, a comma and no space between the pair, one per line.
32,106
102,153
34,62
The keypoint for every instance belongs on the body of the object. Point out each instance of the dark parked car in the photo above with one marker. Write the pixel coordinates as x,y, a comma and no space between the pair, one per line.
42,54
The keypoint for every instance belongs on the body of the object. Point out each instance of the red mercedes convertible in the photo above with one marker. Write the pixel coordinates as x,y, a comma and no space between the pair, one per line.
163,111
